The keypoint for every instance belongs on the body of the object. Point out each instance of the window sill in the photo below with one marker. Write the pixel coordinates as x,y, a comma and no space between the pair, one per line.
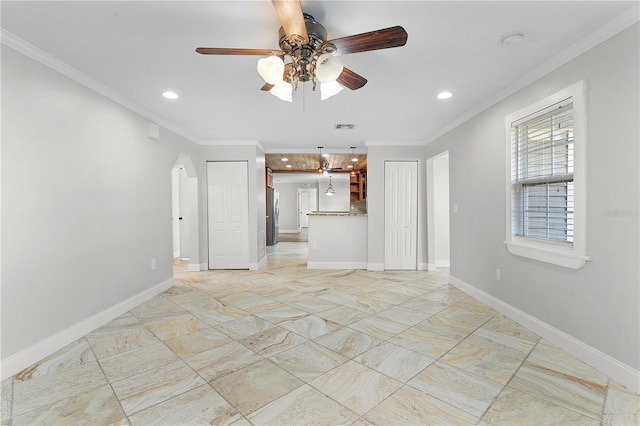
547,255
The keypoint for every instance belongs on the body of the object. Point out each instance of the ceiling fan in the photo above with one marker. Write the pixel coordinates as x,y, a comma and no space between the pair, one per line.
311,56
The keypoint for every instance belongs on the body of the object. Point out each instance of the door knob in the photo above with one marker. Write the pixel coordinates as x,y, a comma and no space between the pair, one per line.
180,218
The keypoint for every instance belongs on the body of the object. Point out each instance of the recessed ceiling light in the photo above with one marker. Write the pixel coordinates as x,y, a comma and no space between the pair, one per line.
349,166
285,159
170,95
289,166
513,39
444,95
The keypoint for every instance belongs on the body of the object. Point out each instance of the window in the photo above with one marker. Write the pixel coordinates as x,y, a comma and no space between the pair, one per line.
546,198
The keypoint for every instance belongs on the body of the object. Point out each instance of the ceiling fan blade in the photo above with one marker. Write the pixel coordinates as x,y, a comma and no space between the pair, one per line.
290,16
267,87
227,51
351,80
373,40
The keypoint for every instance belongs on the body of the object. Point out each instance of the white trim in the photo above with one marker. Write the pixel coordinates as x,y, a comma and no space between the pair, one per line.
17,362
396,143
547,255
375,266
603,33
255,266
193,267
422,266
289,231
11,40
176,254
204,266
231,142
620,372
570,256
431,267
443,264
336,265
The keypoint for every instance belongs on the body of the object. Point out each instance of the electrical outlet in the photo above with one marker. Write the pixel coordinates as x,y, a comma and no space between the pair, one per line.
153,263
315,246
498,274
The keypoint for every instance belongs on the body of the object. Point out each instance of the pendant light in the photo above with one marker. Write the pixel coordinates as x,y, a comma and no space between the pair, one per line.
330,191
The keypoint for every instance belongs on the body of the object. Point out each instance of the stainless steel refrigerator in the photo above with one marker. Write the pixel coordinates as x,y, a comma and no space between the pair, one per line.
273,213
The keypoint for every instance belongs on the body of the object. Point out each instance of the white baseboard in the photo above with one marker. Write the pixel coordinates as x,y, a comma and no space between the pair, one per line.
618,371
255,266
204,266
176,254
336,265
193,267
288,231
17,362
423,266
443,264
375,266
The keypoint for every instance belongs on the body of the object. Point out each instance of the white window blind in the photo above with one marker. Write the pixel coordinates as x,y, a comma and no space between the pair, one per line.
542,186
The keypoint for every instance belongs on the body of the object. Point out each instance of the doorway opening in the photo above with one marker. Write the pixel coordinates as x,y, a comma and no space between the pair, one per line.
438,219
184,213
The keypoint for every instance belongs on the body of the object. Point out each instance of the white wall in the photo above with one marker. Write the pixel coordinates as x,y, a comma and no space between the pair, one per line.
599,304
441,210
86,206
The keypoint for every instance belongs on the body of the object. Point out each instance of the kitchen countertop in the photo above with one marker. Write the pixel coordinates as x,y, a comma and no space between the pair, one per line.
336,214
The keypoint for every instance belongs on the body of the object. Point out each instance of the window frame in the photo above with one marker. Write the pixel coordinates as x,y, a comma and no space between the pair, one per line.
564,254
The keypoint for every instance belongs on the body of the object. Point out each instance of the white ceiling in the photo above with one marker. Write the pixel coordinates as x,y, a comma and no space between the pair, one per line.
140,49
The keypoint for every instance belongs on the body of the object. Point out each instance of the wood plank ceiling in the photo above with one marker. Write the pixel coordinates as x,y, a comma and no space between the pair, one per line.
311,162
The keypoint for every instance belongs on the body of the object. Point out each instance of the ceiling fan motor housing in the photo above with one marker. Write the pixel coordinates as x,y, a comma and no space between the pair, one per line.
304,55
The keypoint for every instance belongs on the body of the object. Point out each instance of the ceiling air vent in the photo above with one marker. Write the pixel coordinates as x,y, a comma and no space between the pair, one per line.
345,126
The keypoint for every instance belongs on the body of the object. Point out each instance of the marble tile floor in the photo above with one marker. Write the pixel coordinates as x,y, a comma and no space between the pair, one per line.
291,346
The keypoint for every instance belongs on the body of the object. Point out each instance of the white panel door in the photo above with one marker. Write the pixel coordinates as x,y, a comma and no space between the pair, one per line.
401,211
228,214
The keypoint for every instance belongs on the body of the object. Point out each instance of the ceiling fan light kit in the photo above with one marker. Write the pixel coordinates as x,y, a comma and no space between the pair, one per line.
311,57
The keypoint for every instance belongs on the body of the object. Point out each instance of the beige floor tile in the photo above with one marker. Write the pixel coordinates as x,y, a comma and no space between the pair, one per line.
409,406
255,386
222,360
554,358
95,406
154,386
394,361
176,326
127,364
313,305
472,317
456,387
504,325
424,342
72,355
244,327
202,405
41,391
404,315
348,342
272,341
369,305
390,297
308,360
424,306
303,406
573,393
105,345
282,315
6,401
125,322
379,327
355,386
311,326
343,315
515,407
621,401
199,341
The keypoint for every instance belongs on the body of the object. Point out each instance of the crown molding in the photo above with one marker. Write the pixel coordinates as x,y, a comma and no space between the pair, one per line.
608,30
396,143
13,41
232,142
